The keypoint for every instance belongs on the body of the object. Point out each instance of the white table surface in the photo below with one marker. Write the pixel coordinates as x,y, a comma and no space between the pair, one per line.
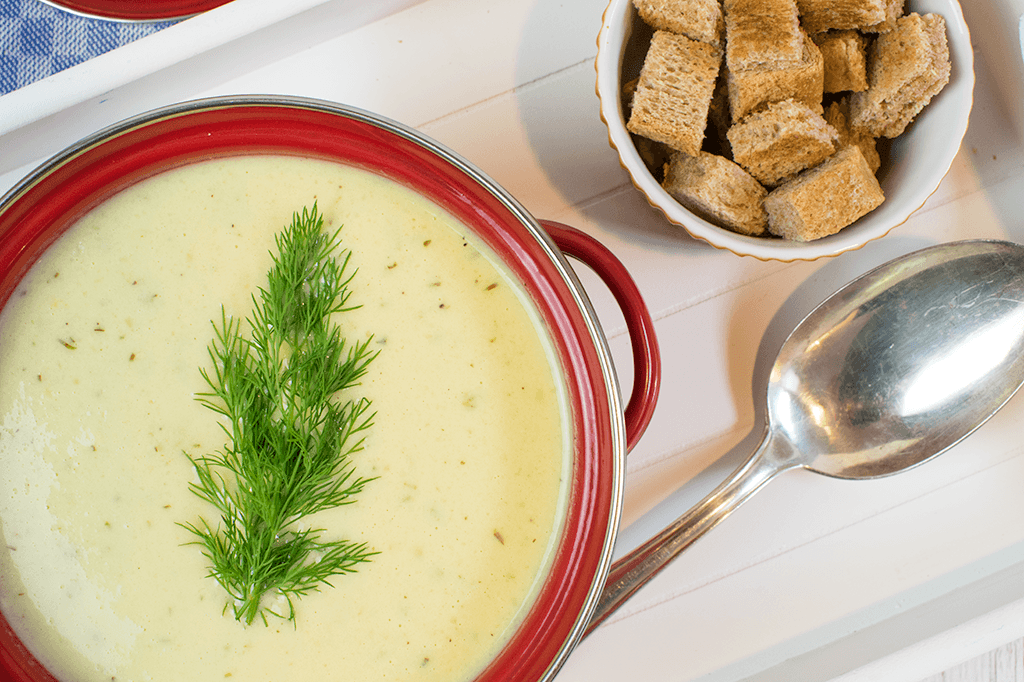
813,579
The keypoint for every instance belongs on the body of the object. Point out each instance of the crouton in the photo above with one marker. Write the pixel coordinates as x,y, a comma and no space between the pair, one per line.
837,116
845,61
717,189
672,98
867,15
781,141
823,200
762,33
906,68
893,11
697,19
752,89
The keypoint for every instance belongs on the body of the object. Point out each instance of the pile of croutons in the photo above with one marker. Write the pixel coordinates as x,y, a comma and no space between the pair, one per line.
762,116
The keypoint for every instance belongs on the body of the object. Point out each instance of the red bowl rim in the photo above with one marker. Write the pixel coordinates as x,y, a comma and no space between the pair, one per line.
137,10
36,211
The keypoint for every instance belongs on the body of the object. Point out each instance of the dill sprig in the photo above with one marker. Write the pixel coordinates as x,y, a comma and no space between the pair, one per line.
290,432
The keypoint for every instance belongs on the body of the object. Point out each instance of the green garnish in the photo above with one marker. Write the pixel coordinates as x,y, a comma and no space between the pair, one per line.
290,432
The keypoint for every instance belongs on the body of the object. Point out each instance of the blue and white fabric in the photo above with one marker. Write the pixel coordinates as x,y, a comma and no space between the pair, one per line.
37,40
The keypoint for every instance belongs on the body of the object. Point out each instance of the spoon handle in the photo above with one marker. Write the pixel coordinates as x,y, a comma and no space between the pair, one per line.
632,571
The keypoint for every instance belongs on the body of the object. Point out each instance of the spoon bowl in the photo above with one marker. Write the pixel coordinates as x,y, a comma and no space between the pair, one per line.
888,372
902,363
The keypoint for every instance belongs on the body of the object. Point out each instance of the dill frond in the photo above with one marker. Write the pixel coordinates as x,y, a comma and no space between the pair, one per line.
290,431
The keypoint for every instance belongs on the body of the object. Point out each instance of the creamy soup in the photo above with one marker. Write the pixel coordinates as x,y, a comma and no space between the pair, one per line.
102,345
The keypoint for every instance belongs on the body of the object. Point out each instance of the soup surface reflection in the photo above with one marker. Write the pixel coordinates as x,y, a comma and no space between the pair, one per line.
100,353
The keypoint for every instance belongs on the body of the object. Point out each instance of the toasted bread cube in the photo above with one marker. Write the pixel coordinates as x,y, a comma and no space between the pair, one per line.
838,116
762,33
717,190
671,101
844,55
752,89
906,68
697,19
823,200
874,16
893,11
781,141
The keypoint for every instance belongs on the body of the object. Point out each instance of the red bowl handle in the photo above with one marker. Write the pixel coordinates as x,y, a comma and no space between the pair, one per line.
646,355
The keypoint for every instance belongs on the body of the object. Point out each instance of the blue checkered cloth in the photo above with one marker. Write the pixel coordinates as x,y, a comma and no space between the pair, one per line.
37,40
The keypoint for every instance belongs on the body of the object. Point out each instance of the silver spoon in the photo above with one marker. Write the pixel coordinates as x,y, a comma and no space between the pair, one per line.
886,373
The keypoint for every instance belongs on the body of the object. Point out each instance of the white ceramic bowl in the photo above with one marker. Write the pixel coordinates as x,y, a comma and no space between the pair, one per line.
916,163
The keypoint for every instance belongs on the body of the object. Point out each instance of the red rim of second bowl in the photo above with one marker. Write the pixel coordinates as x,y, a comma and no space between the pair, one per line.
35,213
138,10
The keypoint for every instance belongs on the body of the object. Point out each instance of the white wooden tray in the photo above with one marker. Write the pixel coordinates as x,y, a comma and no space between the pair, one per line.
814,579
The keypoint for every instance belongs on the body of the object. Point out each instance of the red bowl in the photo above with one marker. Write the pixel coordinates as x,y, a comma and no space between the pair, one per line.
137,10
44,205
